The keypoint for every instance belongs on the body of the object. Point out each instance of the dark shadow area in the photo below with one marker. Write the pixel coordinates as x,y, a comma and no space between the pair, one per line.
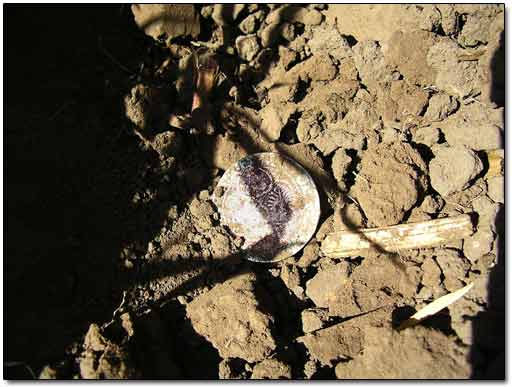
488,349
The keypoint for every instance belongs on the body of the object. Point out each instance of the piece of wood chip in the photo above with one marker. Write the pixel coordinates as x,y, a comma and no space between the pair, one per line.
395,238
435,306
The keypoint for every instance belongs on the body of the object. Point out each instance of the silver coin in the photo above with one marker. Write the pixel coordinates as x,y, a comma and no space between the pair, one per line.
271,202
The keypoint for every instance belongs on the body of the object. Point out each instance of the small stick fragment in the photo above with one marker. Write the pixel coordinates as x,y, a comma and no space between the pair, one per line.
435,306
394,238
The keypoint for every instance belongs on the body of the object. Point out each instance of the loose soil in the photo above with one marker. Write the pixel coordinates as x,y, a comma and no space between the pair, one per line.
117,262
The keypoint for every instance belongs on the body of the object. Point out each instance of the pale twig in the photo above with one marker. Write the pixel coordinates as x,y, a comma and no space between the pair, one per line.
115,311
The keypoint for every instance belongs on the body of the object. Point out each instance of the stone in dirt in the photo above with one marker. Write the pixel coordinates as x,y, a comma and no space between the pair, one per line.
230,316
475,126
453,168
413,353
272,369
169,20
390,182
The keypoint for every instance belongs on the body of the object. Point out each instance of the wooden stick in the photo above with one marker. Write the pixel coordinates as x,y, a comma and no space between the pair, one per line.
394,238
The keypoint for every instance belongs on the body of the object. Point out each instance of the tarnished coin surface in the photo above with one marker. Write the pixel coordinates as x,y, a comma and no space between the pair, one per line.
271,202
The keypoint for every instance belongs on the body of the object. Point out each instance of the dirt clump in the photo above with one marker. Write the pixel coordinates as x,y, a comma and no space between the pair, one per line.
271,369
453,168
229,316
390,182
417,347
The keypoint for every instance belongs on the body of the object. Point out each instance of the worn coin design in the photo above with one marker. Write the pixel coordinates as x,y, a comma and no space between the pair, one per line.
271,202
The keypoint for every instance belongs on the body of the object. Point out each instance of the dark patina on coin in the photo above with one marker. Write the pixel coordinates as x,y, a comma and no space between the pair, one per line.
271,202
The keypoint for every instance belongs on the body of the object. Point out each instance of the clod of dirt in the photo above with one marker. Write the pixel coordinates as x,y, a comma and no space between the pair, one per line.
371,65
272,369
339,164
232,369
251,22
380,21
440,106
408,53
496,189
225,14
230,317
453,168
167,144
454,268
146,108
310,254
326,39
347,216
226,152
167,20
487,211
478,244
340,342
313,319
382,279
427,353
331,288
411,100
427,135
452,75
274,117
478,18
431,277
294,14
103,359
247,47
391,180
291,278
476,126
432,204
